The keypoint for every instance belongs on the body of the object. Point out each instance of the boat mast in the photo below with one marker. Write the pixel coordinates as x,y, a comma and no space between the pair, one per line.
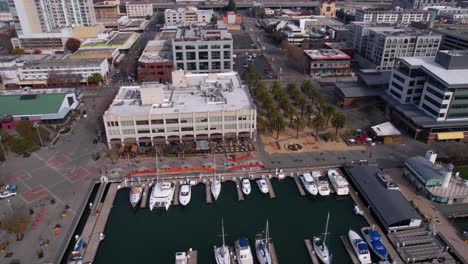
266,232
222,230
157,164
326,229
214,167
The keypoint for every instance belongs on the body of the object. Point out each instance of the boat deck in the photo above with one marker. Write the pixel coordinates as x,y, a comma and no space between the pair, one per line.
310,249
349,249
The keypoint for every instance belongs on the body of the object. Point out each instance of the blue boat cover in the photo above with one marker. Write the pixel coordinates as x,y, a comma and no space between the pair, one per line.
243,242
362,246
374,235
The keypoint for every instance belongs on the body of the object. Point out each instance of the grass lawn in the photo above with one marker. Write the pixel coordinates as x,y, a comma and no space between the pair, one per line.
463,171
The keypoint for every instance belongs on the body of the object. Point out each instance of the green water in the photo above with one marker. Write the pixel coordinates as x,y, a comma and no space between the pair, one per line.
145,237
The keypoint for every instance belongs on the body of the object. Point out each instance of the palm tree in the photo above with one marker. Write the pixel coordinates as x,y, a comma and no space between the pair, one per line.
338,121
298,124
277,122
309,111
302,102
268,104
284,103
276,89
328,111
263,126
318,123
259,88
291,114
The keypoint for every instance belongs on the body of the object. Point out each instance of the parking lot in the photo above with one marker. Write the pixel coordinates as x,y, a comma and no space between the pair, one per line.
242,62
242,41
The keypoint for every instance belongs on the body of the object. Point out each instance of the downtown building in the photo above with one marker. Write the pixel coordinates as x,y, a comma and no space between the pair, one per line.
421,4
155,63
381,44
428,96
196,107
453,39
186,16
139,9
400,16
203,49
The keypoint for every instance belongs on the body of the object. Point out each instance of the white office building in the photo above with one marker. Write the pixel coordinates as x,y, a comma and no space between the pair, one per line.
203,49
139,10
422,4
294,34
400,16
186,16
195,107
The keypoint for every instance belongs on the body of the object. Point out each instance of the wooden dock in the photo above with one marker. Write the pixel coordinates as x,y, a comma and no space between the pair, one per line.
349,249
240,194
192,256
144,198
272,250
175,202
310,249
270,187
299,185
233,255
209,198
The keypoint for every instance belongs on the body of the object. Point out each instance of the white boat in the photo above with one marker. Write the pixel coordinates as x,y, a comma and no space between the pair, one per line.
309,183
181,258
322,183
339,183
360,247
320,246
185,193
8,191
243,251
222,253
215,184
261,247
162,195
281,174
263,186
135,194
246,188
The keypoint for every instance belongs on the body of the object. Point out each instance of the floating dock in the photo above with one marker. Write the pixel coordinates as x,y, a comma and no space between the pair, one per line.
233,255
240,194
192,256
310,249
144,198
299,185
175,201
349,249
272,250
270,187
209,198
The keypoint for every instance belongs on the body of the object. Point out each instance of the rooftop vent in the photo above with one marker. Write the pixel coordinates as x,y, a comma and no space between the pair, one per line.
28,96
388,182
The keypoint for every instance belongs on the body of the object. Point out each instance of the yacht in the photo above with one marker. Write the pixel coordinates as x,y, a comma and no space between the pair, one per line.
243,251
181,258
185,193
246,188
320,246
309,183
360,247
373,239
77,252
262,249
222,253
339,183
135,194
262,185
161,195
322,183
215,184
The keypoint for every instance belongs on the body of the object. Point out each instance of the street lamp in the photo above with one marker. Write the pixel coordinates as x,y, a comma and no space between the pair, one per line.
4,152
36,126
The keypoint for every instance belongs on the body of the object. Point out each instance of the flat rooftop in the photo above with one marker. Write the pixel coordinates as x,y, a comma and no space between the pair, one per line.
64,62
202,32
198,93
156,51
327,54
167,35
18,104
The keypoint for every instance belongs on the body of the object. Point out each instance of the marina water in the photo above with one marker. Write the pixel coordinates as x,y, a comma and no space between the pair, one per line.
141,236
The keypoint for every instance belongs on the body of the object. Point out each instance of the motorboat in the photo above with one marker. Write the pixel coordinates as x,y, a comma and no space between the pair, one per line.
263,186
222,253
185,193
360,247
246,187
136,191
374,240
215,188
8,191
322,183
162,195
320,246
77,253
262,249
309,183
281,174
243,251
339,183
181,258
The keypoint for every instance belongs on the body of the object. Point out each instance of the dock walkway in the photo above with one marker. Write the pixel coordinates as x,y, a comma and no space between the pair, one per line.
272,250
270,187
349,249
240,194
192,256
176,194
209,198
299,185
310,249
144,198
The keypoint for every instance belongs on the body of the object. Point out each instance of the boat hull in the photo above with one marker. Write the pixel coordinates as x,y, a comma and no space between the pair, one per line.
184,199
355,239
222,255
263,253
321,251
311,189
262,186
243,253
381,253
215,189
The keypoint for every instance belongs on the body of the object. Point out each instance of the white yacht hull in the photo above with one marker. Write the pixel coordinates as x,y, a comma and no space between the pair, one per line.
246,187
311,189
215,189
135,195
324,192
222,255
338,182
354,238
262,186
184,198
161,195
321,251
263,253
243,254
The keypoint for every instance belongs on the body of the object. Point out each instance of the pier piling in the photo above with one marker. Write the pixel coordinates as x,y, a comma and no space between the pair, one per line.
350,251
176,194
299,185
272,250
270,187
240,195
208,193
144,198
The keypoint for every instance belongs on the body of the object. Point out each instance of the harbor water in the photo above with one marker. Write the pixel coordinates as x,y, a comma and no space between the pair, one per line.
141,236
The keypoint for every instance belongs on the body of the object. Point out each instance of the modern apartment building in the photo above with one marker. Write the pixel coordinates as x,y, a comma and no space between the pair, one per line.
195,107
44,16
401,16
202,49
155,63
453,39
186,16
327,62
422,4
381,44
429,96
139,9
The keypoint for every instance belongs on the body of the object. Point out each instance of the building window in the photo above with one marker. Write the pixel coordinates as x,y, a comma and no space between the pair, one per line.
230,126
172,121
203,47
191,66
190,56
229,118
201,128
189,47
201,119
128,131
127,123
216,65
179,56
215,55
143,131
227,54
227,46
142,122
186,128
227,65
179,66
157,130
216,118
215,46
203,65
178,47
172,129
203,55
157,121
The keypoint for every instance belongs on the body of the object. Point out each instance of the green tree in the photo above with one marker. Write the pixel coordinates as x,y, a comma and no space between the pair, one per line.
284,103
309,112
277,122
95,78
268,104
302,103
291,88
291,114
73,44
26,130
276,89
261,90
263,126
298,124
16,223
232,5
328,111
251,76
318,123
148,17
338,121
17,51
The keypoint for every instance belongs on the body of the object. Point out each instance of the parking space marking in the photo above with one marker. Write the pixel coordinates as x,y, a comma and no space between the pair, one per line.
34,194
78,174
58,160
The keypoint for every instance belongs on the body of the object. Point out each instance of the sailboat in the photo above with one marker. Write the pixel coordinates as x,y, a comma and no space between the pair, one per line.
320,247
162,193
261,247
222,253
136,192
215,183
